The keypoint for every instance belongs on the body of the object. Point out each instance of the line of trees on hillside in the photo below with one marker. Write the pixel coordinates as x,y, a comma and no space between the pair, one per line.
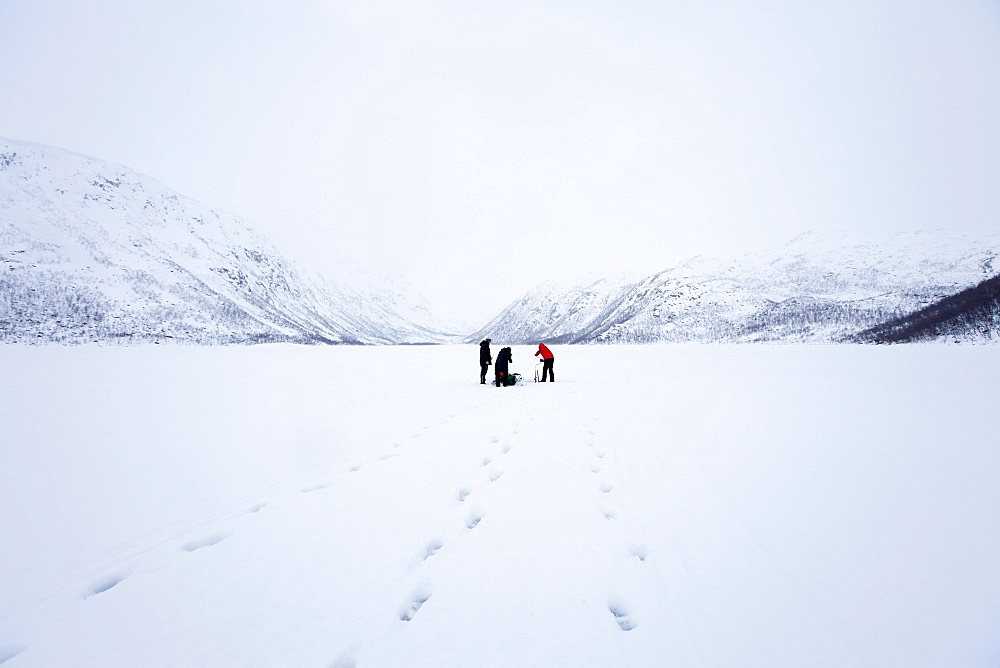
49,307
974,313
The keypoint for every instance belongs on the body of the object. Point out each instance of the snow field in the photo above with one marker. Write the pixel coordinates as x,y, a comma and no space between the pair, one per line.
675,505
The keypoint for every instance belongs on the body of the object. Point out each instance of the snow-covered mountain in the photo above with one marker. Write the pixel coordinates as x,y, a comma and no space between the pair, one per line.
91,250
818,288
972,313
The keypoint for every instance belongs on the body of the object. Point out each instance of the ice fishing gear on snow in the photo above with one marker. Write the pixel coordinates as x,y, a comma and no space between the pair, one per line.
508,379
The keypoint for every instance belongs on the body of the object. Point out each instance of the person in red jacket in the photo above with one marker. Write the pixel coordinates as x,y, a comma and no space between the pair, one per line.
548,360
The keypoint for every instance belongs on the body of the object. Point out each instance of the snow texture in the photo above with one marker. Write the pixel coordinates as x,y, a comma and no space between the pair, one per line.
377,506
92,251
819,288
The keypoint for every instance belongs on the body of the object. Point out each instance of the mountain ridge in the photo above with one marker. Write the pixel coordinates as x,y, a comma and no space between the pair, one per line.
96,251
817,288
972,312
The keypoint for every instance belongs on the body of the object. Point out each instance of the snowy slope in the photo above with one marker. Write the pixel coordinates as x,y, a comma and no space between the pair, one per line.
973,311
817,288
94,251
656,506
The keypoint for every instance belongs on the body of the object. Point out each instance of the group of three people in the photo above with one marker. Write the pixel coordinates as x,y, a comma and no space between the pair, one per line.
506,357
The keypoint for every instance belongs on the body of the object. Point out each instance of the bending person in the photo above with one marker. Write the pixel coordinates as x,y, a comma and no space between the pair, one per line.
503,359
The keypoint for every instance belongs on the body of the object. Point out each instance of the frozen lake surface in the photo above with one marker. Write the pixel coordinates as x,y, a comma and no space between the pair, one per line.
377,506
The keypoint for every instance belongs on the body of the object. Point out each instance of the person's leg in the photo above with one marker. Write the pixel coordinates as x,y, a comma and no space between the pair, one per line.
550,366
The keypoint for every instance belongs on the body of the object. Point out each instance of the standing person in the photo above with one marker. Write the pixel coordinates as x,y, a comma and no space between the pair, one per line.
503,359
548,361
485,359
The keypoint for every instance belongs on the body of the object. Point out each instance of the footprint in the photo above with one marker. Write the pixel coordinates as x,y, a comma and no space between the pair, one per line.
595,468
599,453
495,475
473,520
621,615
433,545
355,468
315,488
640,552
463,494
495,439
257,508
606,489
102,586
208,541
608,513
388,455
505,448
487,461
407,612
346,659
8,652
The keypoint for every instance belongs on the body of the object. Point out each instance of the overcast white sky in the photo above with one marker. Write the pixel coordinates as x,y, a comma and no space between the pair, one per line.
479,148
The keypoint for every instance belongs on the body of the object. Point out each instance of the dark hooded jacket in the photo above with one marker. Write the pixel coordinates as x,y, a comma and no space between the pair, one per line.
503,359
485,356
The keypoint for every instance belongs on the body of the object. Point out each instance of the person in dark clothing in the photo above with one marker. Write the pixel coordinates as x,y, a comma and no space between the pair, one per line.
548,361
485,359
503,359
